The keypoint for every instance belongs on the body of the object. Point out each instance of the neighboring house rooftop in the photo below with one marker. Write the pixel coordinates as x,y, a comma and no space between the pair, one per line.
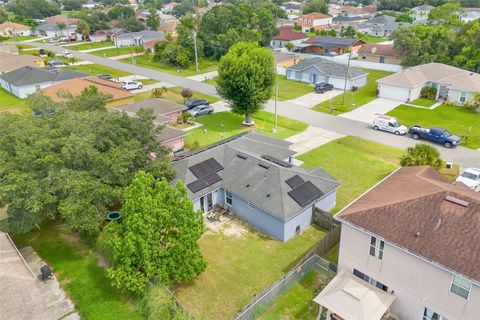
424,7
30,76
53,26
419,210
146,35
169,133
9,48
329,68
455,78
334,42
383,19
347,18
9,61
284,56
386,50
168,27
77,85
248,165
287,34
62,18
315,15
13,26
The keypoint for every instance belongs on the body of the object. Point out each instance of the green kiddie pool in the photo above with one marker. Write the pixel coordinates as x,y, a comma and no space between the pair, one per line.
114,215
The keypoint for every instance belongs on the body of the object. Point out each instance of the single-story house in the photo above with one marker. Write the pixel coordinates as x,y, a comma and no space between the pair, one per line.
452,84
9,29
51,29
77,85
325,44
251,175
164,112
286,35
282,22
315,21
380,26
286,59
470,14
169,28
62,18
292,7
381,53
336,10
106,34
317,70
9,61
343,22
131,39
27,80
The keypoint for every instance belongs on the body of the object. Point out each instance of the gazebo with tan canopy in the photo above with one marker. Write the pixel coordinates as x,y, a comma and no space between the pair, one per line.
351,298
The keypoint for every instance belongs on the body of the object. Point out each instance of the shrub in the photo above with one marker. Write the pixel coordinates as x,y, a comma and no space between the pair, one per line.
185,117
159,92
428,92
158,303
186,93
421,155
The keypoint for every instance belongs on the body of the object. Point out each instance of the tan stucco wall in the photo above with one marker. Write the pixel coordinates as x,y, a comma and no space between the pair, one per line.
416,283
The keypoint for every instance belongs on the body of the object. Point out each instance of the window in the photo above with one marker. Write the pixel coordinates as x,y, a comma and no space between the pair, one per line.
376,247
460,286
228,197
372,281
382,59
430,315
463,96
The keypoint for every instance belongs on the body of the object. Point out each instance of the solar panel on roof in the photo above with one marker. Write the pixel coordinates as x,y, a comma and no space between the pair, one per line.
205,167
295,181
197,185
212,178
305,193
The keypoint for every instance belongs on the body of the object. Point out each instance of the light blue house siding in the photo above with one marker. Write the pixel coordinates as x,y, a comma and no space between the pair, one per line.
328,202
313,75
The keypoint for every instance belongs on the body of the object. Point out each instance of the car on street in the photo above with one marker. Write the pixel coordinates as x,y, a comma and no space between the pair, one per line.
67,55
192,103
55,63
104,76
470,177
69,39
322,87
132,85
54,40
437,135
201,110
389,124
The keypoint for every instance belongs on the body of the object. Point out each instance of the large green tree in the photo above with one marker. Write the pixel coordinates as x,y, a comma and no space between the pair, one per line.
421,155
153,19
185,7
246,78
315,6
158,237
3,15
35,9
448,14
73,164
130,24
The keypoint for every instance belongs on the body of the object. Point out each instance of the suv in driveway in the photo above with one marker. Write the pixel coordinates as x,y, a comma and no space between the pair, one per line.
201,110
192,103
132,85
323,87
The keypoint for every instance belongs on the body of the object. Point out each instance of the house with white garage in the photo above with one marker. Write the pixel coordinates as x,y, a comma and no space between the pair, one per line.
252,176
452,84
318,70
131,39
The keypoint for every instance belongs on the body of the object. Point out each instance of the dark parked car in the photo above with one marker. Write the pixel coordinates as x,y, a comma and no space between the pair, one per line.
192,103
55,63
322,87
104,76
437,135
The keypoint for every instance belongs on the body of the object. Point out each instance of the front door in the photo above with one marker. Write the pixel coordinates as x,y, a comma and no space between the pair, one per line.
206,203
314,78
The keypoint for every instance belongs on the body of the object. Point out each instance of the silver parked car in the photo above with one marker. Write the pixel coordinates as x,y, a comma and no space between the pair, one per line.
201,110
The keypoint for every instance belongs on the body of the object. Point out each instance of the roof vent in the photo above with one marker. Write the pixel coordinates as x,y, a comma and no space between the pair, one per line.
417,234
457,201
247,186
263,166
241,156
268,195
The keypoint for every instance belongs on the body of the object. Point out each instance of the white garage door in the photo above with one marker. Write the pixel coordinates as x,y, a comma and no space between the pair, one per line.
393,92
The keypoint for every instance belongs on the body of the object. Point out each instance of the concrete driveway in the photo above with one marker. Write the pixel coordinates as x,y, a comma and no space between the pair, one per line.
310,100
312,138
367,112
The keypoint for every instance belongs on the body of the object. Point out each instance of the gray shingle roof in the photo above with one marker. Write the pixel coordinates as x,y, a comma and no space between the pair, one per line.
327,41
170,133
53,26
329,68
146,35
159,106
30,76
267,188
347,18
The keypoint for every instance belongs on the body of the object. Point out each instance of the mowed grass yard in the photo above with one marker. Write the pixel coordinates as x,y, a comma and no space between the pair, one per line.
147,62
10,103
94,69
222,125
355,99
174,95
459,121
112,52
75,266
92,45
238,268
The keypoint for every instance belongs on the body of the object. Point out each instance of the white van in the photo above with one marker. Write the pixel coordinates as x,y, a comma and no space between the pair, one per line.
386,123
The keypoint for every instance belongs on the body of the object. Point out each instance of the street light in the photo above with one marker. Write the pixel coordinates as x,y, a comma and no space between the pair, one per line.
346,75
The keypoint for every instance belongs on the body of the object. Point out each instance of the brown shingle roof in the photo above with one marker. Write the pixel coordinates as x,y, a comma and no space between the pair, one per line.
386,50
77,85
287,34
10,61
13,26
410,210
316,15
159,106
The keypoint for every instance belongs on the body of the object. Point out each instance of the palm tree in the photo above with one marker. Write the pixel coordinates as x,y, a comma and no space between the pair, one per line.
61,26
421,155
476,101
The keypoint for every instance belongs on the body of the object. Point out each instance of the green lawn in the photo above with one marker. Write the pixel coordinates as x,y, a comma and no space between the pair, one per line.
356,99
459,121
287,89
147,62
225,124
114,52
371,39
356,163
238,267
92,45
297,302
20,38
75,266
94,69
173,94
9,102
422,102
332,254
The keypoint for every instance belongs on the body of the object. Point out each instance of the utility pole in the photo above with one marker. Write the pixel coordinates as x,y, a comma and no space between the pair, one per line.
346,75
276,99
133,65
195,45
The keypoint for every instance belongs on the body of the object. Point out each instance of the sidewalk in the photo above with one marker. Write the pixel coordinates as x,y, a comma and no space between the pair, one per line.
204,76
310,100
97,49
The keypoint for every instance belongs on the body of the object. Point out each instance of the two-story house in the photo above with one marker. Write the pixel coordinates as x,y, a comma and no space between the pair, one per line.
420,13
314,21
416,235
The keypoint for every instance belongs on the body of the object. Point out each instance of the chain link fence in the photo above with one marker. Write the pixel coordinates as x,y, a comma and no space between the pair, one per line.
266,298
